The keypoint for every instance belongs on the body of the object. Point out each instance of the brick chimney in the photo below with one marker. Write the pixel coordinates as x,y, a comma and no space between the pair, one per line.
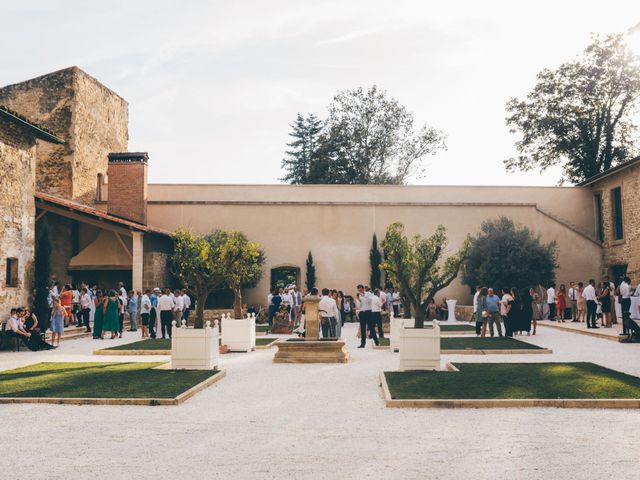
127,194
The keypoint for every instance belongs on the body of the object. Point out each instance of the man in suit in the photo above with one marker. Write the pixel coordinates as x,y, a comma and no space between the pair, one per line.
366,320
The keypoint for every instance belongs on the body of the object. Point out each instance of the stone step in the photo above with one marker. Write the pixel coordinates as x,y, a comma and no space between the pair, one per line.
72,332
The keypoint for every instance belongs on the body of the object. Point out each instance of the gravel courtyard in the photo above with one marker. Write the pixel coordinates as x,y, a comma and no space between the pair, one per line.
268,420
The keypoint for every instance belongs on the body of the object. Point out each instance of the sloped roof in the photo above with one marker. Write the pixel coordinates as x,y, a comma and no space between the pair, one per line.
95,213
35,129
611,171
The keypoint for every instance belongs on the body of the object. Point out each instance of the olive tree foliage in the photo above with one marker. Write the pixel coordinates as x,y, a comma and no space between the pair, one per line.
579,115
508,255
367,138
204,263
418,267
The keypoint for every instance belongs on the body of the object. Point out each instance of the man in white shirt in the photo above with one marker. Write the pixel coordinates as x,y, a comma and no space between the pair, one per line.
328,311
589,294
395,302
296,304
573,300
551,301
366,300
186,299
165,307
286,301
625,294
475,300
178,307
377,306
85,308
145,312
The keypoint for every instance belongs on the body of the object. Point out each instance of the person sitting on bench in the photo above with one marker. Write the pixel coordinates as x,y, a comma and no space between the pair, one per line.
15,329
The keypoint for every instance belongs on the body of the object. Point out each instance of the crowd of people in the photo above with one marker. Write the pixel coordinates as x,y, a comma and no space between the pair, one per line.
335,308
100,311
518,310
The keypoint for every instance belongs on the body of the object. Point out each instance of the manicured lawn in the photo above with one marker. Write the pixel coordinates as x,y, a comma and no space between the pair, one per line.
475,343
98,380
457,328
515,381
148,344
265,341
262,328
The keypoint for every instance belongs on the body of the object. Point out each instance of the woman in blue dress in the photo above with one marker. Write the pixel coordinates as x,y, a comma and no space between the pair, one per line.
57,321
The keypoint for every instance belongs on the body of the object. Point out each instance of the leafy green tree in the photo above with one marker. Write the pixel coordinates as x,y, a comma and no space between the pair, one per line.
417,265
195,262
42,273
375,259
310,273
580,114
242,262
368,138
297,163
506,255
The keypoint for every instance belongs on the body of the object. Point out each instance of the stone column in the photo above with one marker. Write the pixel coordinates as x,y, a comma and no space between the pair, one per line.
137,261
311,317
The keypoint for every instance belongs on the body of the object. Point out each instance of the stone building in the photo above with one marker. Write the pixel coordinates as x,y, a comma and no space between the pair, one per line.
616,204
18,152
109,225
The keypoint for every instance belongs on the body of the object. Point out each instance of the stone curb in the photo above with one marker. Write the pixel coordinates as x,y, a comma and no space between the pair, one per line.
505,403
268,345
524,351
581,332
131,352
120,401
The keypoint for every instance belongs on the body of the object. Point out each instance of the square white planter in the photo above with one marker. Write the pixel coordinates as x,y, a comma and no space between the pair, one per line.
419,347
239,335
195,348
395,325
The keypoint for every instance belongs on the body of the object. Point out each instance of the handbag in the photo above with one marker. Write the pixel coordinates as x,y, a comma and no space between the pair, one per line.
485,314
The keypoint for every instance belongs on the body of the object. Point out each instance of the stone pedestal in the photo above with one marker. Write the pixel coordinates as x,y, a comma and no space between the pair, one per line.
311,349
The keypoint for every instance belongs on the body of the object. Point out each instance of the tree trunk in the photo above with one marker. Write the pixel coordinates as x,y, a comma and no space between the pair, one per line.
200,301
237,303
419,315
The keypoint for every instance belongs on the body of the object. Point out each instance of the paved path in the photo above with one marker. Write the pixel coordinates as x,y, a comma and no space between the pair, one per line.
269,421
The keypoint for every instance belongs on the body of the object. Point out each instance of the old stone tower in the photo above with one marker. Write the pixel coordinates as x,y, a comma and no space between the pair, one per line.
92,119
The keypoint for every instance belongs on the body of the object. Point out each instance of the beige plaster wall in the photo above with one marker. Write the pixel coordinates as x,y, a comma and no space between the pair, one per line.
337,223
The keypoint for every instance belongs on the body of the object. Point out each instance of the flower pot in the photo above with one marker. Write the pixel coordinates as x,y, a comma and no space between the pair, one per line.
195,348
396,324
239,334
419,347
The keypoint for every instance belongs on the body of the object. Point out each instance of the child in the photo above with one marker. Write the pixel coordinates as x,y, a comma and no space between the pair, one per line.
599,312
58,314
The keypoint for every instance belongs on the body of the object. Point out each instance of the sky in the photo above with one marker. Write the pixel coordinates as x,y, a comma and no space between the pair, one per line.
213,86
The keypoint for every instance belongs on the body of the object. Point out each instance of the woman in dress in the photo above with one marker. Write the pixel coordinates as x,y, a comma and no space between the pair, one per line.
536,309
66,301
58,315
604,295
581,303
110,314
561,302
98,315
514,313
527,311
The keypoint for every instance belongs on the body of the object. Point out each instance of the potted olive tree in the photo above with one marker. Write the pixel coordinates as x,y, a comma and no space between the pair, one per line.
417,266
241,261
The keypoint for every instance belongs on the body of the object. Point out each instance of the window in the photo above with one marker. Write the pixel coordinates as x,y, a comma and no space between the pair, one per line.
599,231
12,272
616,212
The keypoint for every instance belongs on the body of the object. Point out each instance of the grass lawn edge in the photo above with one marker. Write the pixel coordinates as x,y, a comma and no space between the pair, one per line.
502,403
106,351
184,396
268,345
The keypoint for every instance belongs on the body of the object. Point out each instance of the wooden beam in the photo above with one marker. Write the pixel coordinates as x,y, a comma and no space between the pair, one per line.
40,215
69,213
126,249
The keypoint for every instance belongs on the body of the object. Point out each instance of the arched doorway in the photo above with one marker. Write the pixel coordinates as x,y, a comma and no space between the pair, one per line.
284,275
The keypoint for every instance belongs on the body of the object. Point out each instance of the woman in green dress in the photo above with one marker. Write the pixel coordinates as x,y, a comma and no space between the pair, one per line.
111,308
98,315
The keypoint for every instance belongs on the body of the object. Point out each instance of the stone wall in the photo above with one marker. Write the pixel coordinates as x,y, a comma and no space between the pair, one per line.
91,119
17,213
627,250
155,269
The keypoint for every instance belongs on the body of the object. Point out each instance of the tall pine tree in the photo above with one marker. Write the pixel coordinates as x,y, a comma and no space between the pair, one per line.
305,133
42,273
375,258
311,272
